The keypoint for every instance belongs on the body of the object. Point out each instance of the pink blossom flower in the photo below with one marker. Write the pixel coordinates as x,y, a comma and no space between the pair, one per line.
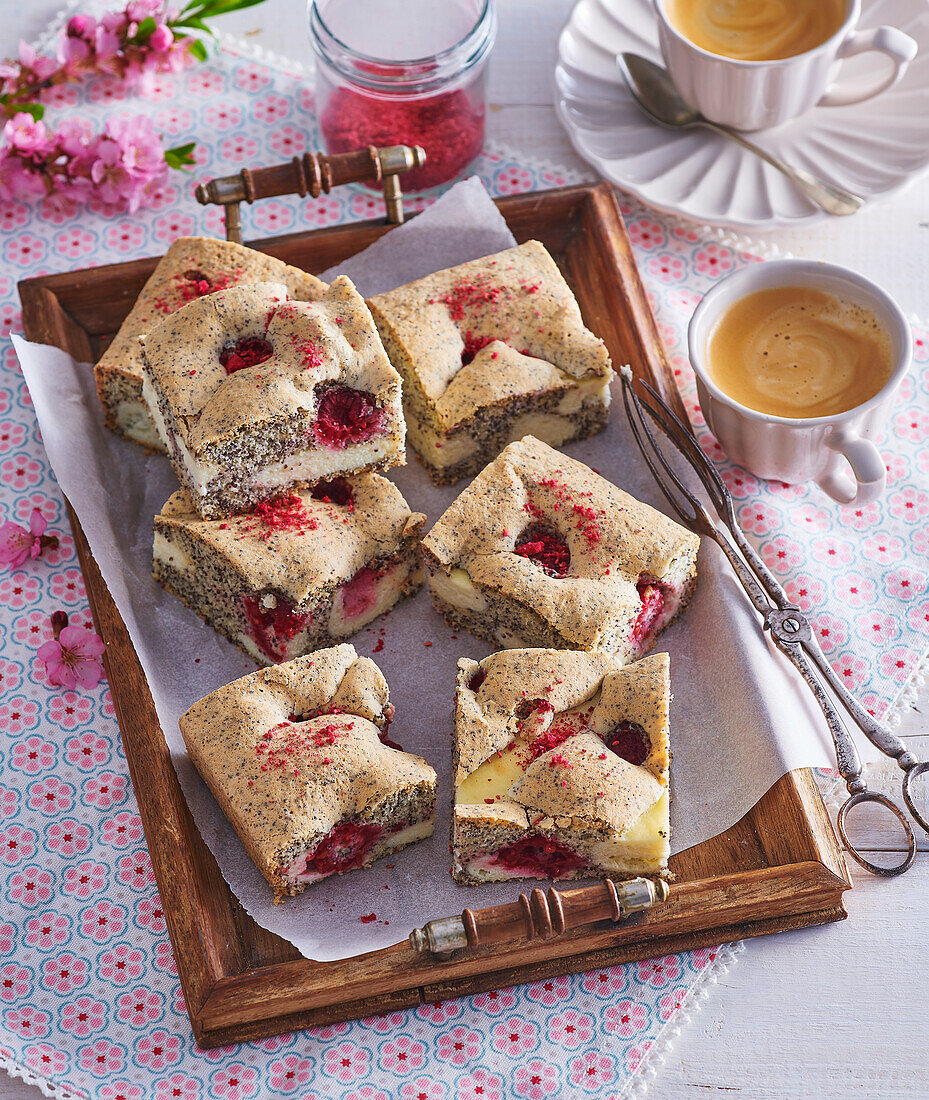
102,1058
905,583
122,830
17,843
172,226
833,552
50,795
274,217
68,837
536,1079
150,914
65,973
103,920
82,1017
27,1021
121,964
402,1054
35,753
514,1037
460,1046
15,982
18,715
139,1008
606,984
853,670
46,1059
909,505
71,658
646,233
713,260
177,1087
912,424
759,518
47,931
104,790
288,140
124,236
781,555
289,1073
346,1061
251,77
17,544
19,472
83,880
86,750
480,1084
238,147
626,1018
23,133
234,1082
222,116
592,1070
32,886
271,108
666,267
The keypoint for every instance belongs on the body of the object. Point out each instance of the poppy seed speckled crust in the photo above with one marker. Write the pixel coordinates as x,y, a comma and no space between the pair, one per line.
255,395
630,570
490,351
539,793
294,757
192,267
295,575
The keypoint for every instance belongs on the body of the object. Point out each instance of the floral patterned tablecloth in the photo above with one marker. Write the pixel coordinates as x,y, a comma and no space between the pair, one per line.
90,1004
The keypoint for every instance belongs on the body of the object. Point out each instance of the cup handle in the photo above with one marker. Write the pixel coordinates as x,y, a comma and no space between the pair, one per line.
899,47
867,466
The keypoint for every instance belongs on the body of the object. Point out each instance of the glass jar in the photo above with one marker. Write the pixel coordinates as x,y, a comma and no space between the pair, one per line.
404,72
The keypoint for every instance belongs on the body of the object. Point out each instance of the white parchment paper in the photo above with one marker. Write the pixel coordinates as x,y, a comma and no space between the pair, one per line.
741,717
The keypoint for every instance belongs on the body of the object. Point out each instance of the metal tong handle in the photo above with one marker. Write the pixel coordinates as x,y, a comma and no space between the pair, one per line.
789,629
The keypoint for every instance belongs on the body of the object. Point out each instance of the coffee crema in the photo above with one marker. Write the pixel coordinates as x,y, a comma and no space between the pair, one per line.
757,30
798,352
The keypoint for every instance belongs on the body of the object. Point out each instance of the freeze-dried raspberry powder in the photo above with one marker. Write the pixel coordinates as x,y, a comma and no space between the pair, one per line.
546,548
472,345
283,514
247,351
629,741
346,416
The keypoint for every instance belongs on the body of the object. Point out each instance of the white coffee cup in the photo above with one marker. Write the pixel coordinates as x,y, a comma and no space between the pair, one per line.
797,450
753,95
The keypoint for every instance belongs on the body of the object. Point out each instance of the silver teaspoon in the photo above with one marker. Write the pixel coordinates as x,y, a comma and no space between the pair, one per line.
653,90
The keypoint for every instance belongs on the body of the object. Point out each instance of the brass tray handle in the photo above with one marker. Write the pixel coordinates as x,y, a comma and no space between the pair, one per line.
312,174
539,915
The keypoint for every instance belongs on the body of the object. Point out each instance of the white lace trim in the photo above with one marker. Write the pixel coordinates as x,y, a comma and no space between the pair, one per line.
43,1084
641,1078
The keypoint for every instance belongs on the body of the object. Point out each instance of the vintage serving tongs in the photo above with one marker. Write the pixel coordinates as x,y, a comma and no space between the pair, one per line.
789,629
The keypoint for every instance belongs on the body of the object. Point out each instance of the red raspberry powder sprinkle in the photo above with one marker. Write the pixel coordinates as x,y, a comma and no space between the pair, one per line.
283,514
546,548
470,295
369,919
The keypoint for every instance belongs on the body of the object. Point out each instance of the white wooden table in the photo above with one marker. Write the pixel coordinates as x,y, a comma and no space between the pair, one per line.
830,1013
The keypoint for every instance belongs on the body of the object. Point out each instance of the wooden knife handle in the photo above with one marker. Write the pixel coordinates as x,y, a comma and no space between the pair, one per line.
539,915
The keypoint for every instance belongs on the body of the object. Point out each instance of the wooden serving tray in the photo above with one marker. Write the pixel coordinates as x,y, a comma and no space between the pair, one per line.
780,867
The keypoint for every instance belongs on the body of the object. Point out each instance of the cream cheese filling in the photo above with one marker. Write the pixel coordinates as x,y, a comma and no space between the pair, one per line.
134,420
169,553
385,593
456,588
318,463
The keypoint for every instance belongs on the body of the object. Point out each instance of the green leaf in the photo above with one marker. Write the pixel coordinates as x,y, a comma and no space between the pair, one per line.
146,29
37,110
180,156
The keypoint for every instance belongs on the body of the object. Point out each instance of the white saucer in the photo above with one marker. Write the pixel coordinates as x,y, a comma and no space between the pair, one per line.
873,148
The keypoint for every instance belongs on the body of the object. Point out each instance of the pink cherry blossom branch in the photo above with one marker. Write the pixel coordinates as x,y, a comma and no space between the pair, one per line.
71,658
17,544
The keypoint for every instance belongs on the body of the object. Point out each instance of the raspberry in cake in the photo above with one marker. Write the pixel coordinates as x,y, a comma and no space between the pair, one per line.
255,395
296,757
192,267
491,351
541,551
293,574
560,766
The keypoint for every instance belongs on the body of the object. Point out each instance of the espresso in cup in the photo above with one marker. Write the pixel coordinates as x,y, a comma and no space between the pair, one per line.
798,352
757,30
